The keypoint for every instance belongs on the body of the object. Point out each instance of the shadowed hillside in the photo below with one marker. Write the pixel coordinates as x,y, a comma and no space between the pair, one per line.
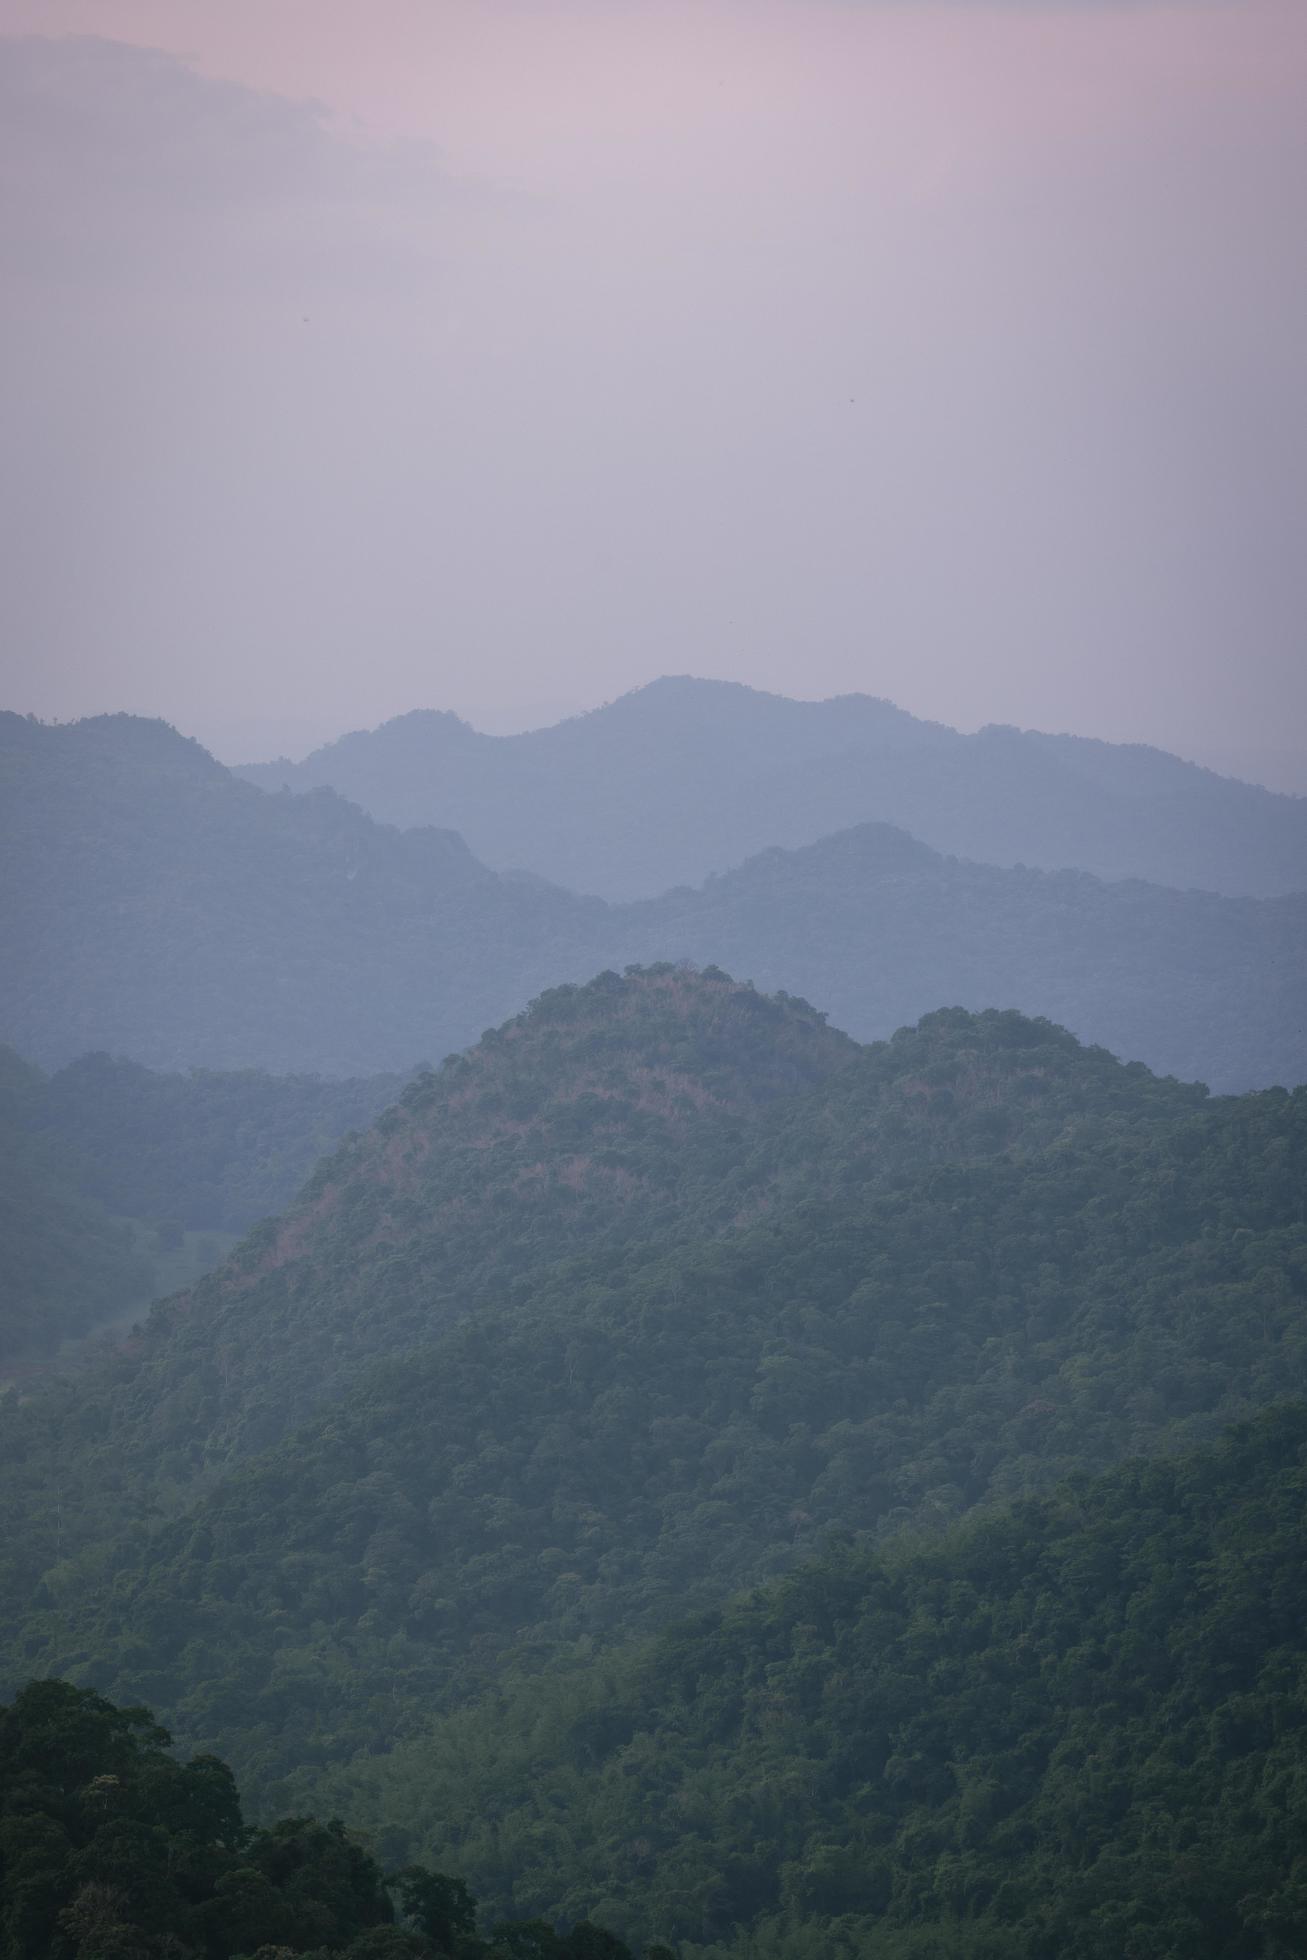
211,1151
65,1263
118,1183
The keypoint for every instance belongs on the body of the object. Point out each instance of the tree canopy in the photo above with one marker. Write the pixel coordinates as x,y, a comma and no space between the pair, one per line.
622,1313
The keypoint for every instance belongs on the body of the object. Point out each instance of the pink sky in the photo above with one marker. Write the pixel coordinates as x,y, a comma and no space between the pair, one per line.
528,77
555,91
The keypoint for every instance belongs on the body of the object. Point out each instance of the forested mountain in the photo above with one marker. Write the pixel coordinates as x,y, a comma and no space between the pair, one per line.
602,1119
1074,1727
159,908
620,1313
106,1167
730,771
111,1849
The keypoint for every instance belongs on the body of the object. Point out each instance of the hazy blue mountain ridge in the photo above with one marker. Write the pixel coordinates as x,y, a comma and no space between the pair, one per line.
158,908
872,925
731,771
161,909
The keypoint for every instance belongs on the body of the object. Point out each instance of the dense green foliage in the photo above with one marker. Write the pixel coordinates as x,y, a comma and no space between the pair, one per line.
158,907
110,1849
622,1313
729,771
603,1122
1072,1730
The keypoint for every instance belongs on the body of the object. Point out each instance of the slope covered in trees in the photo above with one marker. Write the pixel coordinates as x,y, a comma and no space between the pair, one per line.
604,1120
619,1314
111,1849
159,908
1074,1727
731,772
1071,1727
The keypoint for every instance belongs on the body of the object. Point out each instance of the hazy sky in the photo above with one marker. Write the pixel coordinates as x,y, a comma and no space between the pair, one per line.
502,354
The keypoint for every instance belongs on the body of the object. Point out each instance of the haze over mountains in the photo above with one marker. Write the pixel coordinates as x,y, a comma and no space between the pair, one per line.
680,1335
728,771
162,909
666,1291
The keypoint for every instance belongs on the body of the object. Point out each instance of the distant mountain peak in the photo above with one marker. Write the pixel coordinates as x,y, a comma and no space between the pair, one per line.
114,741
685,776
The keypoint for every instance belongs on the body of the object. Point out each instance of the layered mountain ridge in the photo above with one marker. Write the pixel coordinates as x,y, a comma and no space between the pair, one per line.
731,771
163,910
669,1297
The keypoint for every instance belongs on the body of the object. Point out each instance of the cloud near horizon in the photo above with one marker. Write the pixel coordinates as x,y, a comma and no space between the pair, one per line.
125,164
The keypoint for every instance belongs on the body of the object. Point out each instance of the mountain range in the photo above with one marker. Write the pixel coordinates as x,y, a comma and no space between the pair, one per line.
687,777
161,909
714,1476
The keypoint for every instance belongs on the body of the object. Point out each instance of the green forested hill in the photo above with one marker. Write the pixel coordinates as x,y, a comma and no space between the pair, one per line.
611,1117
111,1849
730,771
623,1312
157,907
1074,1728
